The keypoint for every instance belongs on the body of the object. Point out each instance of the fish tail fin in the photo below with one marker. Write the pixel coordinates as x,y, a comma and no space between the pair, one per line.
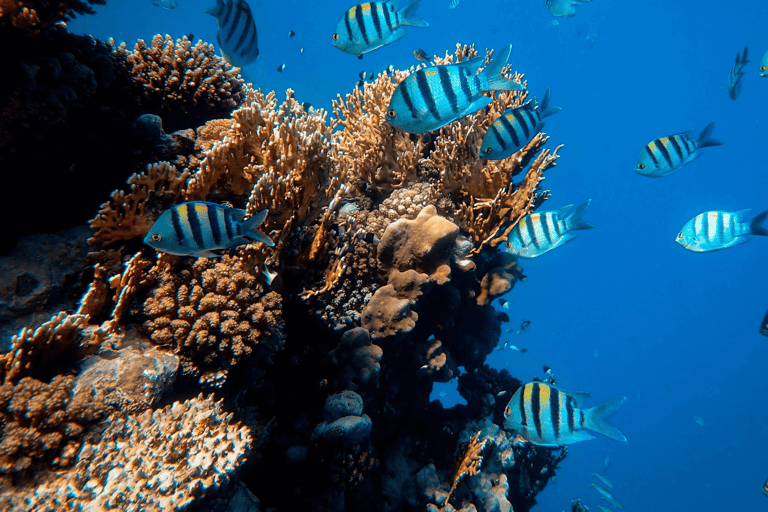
496,81
755,227
216,9
573,221
544,109
597,418
250,229
703,140
409,17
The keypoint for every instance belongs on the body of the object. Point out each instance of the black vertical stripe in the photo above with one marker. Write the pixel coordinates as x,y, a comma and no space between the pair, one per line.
245,35
545,227
176,221
532,232
720,227
464,81
194,225
664,152
689,144
497,136
407,97
532,119
349,27
521,122
554,410
510,130
582,418
375,17
229,224
233,27
677,147
523,416
569,412
213,220
445,82
227,13
387,18
426,93
536,407
650,153
361,22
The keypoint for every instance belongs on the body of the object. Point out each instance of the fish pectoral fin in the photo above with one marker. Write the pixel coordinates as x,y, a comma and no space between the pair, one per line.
579,436
476,105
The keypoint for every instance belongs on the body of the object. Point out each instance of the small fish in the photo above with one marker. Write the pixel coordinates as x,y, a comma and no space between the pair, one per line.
370,77
371,25
540,232
422,55
197,228
166,4
291,34
547,416
430,98
521,350
607,462
614,502
362,75
237,35
301,51
605,481
734,77
604,508
504,303
523,326
280,68
764,488
764,65
454,4
563,7
717,229
508,331
603,492
699,421
764,325
501,393
665,155
191,36
515,128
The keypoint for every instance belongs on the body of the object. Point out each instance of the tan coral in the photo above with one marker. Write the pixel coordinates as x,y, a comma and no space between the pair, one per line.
38,14
470,462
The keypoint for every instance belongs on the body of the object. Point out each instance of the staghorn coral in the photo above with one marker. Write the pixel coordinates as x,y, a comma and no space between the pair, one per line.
185,84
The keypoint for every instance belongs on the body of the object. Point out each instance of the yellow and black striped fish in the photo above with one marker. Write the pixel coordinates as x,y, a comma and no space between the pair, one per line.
237,36
667,154
198,228
540,232
547,416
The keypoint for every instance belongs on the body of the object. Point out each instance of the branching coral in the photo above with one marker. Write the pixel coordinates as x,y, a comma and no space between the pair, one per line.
34,15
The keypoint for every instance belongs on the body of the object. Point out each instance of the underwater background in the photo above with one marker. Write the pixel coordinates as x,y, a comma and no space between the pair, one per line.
623,309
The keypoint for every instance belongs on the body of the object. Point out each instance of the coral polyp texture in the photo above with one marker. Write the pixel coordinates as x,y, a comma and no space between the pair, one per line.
322,348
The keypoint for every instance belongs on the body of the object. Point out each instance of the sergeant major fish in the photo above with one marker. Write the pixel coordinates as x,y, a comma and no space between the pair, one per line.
430,98
717,229
515,128
197,228
764,65
665,155
365,27
237,36
563,7
547,416
540,232
734,77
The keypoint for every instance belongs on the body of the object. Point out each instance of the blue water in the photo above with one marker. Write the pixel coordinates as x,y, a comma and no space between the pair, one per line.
623,309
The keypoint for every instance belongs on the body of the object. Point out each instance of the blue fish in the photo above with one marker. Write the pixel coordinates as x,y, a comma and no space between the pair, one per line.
430,98
737,71
563,7
540,232
667,154
197,228
764,65
515,128
167,5
368,26
237,35
716,229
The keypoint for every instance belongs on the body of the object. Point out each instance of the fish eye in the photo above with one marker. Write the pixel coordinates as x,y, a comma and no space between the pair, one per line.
392,113
642,166
763,68
156,237
335,37
679,235
488,151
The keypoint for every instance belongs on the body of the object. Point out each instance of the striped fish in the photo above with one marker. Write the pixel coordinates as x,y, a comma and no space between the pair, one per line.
198,228
734,77
432,97
764,325
541,232
515,128
563,7
605,481
365,27
237,36
547,416
716,229
764,488
764,65
667,154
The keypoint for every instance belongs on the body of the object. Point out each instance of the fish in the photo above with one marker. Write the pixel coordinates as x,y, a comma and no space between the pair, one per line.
563,7
508,331
607,462
362,75
166,4
523,326
291,34
734,77
237,35
614,502
540,232
764,325
764,65
454,4
504,303
604,508
197,228
764,488
605,481
547,416
366,27
715,230
699,421
430,98
515,128
422,55
603,492
280,68
665,155
301,51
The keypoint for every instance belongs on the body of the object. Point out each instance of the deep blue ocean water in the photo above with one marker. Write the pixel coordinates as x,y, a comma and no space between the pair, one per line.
623,309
